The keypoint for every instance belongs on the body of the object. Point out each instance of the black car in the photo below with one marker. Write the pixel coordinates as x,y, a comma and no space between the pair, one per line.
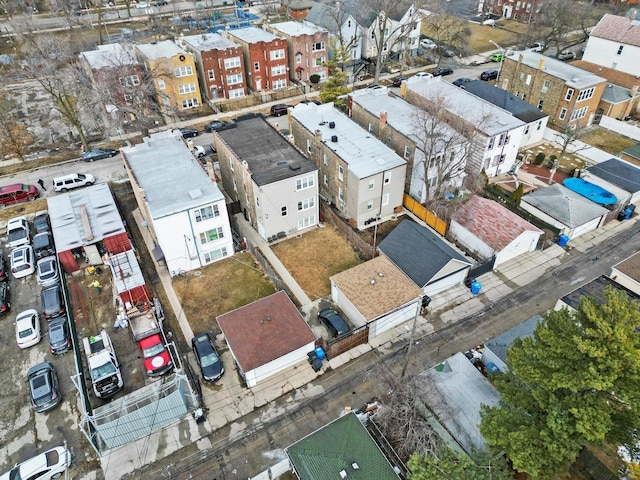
4,274
207,356
43,387
42,223
5,306
396,82
461,82
279,109
218,125
59,335
43,245
189,132
489,75
442,71
98,154
333,321
52,302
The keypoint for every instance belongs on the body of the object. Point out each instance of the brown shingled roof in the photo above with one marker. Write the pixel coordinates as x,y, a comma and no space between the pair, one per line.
618,29
630,267
492,223
264,330
376,287
616,77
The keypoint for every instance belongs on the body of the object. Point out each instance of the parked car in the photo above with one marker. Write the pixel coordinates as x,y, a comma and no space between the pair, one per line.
4,273
566,55
497,57
28,328
428,43
461,82
442,71
189,132
199,151
43,245
59,335
52,301
42,223
5,306
142,5
44,466
396,82
423,75
279,109
218,125
17,193
73,180
18,232
333,321
98,154
375,88
537,47
47,271
489,75
207,357
22,263
43,386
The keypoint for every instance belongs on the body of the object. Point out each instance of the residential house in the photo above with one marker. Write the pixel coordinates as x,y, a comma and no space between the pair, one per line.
426,258
174,75
569,95
535,120
266,58
377,294
595,290
572,214
495,134
344,449
615,43
296,9
616,176
522,10
219,64
359,174
266,337
183,208
85,224
495,350
115,72
488,230
436,153
627,273
275,184
460,391
308,49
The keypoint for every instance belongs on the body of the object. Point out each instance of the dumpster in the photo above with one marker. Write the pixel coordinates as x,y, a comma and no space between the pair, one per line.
476,286
320,353
492,368
563,240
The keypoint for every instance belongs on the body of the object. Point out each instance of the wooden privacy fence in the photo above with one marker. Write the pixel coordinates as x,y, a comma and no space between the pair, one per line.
425,215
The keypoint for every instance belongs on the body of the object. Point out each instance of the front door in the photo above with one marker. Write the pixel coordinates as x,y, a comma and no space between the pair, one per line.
259,84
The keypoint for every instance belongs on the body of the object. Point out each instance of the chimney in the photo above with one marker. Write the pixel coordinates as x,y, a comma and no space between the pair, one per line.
541,64
383,118
210,171
634,91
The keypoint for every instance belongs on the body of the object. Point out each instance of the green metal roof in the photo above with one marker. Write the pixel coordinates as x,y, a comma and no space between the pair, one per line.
633,151
337,446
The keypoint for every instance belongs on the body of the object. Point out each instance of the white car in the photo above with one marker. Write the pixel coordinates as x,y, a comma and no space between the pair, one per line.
142,5
44,466
22,262
423,75
28,328
199,151
426,43
18,232
537,47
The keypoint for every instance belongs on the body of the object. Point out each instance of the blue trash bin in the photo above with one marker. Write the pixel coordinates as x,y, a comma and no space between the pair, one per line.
563,240
476,286
320,353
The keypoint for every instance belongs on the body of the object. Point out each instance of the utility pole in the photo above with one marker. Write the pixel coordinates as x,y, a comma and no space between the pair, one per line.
423,301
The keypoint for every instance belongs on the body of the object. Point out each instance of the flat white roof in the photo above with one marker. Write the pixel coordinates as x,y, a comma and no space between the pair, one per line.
253,35
209,41
110,55
172,178
297,28
361,150
164,49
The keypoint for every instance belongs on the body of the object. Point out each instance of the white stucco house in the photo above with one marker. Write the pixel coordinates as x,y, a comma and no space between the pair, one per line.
183,207
615,43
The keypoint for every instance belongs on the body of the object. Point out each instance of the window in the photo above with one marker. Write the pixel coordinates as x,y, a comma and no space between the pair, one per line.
524,96
387,178
206,213
569,94
526,129
298,58
324,159
231,164
370,128
161,84
257,201
135,80
306,222
385,199
183,71
620,49
236,93
349,24
231,62
372,183
545,86
234,79
539,125
211,235
304,182
278,70
407,152
370,205
318,62
528,80
501,140
308,145
317,46
279,84
585,94
578,114
340,173
276,54
256,66
211,74
540,102
187,88
341,194
325,179
563,114
190,103
128,99
306,204
492,142
522,76
214,255
495,160
283,211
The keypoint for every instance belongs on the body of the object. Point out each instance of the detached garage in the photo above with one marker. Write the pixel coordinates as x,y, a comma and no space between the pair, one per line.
617,176
485,228
571,213
376,293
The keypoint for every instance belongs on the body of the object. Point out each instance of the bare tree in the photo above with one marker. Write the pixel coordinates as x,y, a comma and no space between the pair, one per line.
450,32
341,46
15,139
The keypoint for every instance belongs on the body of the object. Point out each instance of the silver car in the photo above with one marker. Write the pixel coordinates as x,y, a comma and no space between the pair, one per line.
48,271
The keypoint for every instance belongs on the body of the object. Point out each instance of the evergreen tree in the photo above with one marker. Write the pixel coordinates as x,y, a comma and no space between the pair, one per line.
447,464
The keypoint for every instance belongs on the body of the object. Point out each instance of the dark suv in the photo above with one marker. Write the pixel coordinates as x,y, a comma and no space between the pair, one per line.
279,109
43,245
333,321
52,302
489,75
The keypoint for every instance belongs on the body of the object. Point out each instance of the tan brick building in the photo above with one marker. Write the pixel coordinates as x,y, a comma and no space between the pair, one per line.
569,95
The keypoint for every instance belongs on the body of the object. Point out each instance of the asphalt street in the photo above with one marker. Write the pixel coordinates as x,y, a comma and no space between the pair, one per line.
243,450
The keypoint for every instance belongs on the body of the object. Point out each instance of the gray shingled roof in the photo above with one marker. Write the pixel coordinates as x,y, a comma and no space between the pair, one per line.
615,94
505,100
419,252
619,173
270,156
595,289
569,208
500,344
325,16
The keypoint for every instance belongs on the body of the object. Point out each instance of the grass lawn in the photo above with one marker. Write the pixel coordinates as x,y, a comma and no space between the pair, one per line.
607,140
507,37
316,256
219,288
25,208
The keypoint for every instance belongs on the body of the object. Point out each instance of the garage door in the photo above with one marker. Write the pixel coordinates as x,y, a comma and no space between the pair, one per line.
587,227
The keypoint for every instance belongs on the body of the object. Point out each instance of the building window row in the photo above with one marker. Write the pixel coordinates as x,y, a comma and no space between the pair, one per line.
236,93
207,213
234,79
317,46
183,71
130,80
585,94
190,103
278,70
232,62
277,84
578,114
213,255
306,204
306,222
276,54
187,88
304,182
211,235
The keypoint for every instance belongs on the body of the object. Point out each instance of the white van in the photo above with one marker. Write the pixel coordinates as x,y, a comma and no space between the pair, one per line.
73,180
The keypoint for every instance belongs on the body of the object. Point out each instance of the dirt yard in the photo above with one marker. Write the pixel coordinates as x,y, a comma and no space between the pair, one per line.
607,140
314,257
